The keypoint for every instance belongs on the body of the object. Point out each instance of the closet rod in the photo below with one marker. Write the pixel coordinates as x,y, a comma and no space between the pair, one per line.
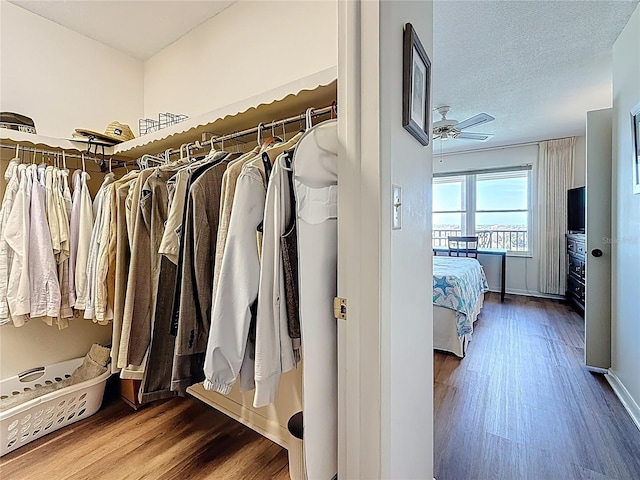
52,153
276,123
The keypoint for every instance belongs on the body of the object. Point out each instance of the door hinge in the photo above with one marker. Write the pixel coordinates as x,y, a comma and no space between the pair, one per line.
340,308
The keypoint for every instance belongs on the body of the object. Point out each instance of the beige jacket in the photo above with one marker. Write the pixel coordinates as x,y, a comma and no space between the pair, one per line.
121,257
134,221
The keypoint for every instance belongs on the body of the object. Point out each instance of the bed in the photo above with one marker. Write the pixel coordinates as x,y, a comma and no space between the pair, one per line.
459,284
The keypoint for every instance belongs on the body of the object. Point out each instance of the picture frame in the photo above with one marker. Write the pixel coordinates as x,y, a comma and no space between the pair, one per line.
635,135
416,87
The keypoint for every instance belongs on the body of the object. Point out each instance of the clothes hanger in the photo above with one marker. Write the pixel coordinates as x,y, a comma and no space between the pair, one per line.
17,157
309,118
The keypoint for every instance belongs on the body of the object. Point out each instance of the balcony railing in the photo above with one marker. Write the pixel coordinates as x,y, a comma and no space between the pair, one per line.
512,240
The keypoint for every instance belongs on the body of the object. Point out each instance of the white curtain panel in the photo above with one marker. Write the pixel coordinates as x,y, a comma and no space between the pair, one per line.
555,172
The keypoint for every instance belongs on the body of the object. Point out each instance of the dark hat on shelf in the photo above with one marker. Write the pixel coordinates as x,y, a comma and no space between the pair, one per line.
116,132
16,121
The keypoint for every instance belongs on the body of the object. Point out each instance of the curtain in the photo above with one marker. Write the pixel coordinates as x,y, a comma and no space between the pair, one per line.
555,171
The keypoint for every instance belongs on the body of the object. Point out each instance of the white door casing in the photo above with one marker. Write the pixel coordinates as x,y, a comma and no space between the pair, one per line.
385,346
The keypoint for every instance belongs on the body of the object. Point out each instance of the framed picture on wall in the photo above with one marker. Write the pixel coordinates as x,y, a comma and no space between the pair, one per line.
416,86
635,125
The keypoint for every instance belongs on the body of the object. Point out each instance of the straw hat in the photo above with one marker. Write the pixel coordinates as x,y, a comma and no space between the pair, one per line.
116,132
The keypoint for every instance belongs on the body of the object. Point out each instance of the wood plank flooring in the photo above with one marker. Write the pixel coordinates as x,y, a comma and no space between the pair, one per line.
181,438
521,404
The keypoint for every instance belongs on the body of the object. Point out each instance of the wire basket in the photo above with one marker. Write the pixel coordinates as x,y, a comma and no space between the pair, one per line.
42,415
166,119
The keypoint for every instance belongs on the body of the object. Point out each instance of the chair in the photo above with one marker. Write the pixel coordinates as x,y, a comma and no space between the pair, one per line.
467,246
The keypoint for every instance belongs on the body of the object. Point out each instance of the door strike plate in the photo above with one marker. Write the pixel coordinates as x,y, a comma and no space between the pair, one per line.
340,308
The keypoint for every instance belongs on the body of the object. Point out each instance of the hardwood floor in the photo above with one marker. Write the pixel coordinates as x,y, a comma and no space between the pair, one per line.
181,438
521,405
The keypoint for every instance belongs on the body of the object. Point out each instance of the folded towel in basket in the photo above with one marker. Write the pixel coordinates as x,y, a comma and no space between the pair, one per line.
93,365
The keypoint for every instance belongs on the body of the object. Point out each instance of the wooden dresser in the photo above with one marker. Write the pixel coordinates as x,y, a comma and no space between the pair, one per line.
576,271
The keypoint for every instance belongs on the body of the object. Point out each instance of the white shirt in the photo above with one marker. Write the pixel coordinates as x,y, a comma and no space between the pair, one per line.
85,228
43,269
17,237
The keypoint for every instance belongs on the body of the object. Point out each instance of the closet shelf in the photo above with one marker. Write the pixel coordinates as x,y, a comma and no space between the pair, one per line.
14,137
317,90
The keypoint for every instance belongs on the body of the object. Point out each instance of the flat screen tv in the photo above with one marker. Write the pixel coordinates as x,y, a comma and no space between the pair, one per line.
576,209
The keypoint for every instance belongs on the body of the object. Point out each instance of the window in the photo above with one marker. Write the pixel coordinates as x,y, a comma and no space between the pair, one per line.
495,205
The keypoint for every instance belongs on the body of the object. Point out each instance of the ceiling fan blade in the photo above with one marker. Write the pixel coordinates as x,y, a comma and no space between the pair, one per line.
473,121
474,136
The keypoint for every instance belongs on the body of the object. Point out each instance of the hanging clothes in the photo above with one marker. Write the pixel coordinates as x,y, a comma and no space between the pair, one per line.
200,228
237,292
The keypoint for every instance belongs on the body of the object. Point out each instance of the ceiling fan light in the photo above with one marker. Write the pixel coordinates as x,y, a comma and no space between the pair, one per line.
444,136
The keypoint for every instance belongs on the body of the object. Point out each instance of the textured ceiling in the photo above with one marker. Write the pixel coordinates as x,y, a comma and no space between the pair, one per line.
140,28
536,66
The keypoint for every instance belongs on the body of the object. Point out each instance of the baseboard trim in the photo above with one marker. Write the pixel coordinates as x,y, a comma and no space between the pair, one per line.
625,397
527,293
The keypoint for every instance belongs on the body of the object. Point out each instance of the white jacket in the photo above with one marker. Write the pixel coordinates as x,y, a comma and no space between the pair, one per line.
274,348
238,285
85,227
74,232
16,234
6,254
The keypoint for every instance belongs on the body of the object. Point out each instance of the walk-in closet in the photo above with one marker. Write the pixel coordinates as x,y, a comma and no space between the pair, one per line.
201,270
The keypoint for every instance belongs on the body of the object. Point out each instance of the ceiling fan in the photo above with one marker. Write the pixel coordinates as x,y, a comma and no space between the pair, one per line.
445,128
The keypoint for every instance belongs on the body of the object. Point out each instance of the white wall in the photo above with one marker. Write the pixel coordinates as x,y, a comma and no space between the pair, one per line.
249,48
406,270
386,345
625,300
64,80
522,272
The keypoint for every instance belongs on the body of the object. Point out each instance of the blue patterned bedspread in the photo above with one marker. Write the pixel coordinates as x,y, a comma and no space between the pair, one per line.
458,283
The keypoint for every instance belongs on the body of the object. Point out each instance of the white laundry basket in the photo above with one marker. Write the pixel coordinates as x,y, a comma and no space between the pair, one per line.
42,415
